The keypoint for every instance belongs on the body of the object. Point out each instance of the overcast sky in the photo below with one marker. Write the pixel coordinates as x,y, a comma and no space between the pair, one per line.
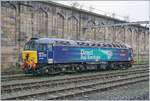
136,10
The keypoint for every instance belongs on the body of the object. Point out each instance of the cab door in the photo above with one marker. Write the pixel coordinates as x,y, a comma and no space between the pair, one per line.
50,53
42,53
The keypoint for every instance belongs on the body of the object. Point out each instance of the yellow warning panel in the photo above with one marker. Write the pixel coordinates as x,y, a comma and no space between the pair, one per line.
29,56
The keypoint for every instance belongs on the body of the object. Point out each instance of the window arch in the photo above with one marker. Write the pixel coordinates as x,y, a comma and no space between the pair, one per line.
8,19
72,27
39,23
119,34
135,32
134,38
89,34
129,36
90,23
59,25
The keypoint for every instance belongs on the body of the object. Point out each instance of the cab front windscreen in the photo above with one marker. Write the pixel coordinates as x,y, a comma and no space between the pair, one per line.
31,45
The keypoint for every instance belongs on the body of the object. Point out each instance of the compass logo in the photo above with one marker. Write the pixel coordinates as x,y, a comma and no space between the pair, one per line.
109,54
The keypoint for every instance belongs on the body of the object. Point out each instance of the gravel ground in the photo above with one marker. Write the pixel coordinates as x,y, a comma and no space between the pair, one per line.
138,91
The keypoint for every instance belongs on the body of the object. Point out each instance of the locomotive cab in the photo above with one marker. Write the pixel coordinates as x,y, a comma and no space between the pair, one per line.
29,56
35,54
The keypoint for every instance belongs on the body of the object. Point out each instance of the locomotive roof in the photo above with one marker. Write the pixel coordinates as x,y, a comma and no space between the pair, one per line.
79,42
54,40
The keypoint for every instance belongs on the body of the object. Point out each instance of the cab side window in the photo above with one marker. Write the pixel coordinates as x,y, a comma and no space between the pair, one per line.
50,47
33,46
42,47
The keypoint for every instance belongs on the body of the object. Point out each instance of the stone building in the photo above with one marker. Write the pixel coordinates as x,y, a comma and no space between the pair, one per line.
21,20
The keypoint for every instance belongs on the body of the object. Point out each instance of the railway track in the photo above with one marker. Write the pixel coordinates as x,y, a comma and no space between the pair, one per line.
66,87
27,85
15,77
14,86
56,78
5,78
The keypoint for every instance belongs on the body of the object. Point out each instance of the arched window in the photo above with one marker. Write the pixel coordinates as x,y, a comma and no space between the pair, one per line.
26,22
60,25
100,35
129,37
40,22
120,34
135,43
8,24
89,34
72,27
135,36
109,34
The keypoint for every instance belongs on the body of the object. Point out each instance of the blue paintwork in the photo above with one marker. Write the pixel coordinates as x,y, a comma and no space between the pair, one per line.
43,56
76,54
67,54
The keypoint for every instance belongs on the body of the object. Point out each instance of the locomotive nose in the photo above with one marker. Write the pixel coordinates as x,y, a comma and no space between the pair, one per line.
27,56
29,59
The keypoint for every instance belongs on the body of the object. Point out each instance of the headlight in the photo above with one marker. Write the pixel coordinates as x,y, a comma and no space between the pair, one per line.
50,60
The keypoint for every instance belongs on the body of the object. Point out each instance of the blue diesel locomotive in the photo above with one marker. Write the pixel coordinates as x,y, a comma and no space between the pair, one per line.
52,55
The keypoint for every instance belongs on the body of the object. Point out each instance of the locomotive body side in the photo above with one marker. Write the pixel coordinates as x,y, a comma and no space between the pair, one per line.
43,56
75,54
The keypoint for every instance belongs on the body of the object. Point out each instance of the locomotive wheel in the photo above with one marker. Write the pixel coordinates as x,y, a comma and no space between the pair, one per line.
113,66
125,66
98,67
77,68
85,68
25,71
103,66
82,68
51,70
37,72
